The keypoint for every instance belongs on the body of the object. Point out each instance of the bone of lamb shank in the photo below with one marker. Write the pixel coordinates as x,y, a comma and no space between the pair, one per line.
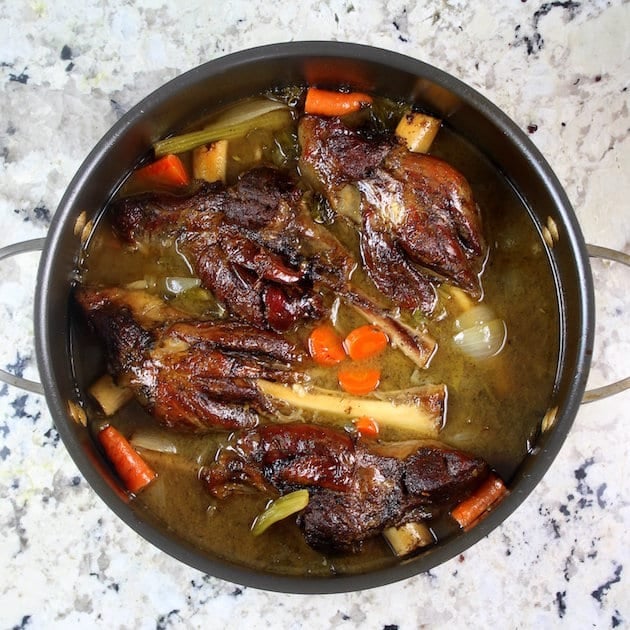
189,375
419,221
357,488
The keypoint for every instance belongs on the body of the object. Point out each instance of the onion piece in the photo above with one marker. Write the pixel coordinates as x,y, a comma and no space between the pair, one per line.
481,334
137,285
247,110
473,316
153,441
176,285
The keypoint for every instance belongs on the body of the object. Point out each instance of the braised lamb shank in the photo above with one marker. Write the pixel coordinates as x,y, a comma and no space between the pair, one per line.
189,375
419,222
357,488
253,244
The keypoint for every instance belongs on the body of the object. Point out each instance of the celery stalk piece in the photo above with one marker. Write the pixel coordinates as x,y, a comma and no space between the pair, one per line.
223,130
279,509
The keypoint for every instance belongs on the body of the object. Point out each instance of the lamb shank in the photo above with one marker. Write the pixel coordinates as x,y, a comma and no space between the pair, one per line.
253,244
357,488
189,375
419,222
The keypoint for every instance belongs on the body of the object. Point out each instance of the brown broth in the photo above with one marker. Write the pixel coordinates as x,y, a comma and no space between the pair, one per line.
495,406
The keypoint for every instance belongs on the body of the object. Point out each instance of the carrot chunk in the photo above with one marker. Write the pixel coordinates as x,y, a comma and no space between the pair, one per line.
134,472
366,426
326,346
167,171
472,508
359,381
365,342
329,103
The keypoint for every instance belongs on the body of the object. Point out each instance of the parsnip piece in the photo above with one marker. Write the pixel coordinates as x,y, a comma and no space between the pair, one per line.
79,224
461,299
209,161
418,410
408,537
108,395
418,131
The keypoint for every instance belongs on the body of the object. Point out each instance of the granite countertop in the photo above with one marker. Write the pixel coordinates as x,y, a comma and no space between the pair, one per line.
560,70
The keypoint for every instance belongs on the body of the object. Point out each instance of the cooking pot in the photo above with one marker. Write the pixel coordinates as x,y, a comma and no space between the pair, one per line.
363,68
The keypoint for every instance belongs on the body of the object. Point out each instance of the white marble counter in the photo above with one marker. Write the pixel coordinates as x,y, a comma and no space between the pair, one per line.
560,69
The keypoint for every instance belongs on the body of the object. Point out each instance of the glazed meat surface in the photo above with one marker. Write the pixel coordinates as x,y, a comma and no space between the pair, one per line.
357,487
189,375
419,222
253,244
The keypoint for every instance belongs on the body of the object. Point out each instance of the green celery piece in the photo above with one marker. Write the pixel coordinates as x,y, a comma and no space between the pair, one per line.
272,120
279,509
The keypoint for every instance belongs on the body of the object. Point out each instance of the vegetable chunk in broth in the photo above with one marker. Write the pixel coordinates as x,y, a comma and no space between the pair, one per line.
323,312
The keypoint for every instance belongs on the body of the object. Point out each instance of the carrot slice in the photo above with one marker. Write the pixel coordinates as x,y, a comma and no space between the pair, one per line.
329,103
366,426
167,171
326,346
134,472
472,508
365,342
359,381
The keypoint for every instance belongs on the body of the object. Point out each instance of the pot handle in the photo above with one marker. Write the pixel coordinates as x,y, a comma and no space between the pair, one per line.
591,395
34,245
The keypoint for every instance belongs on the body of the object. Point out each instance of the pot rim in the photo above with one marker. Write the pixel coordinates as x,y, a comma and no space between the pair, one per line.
47,332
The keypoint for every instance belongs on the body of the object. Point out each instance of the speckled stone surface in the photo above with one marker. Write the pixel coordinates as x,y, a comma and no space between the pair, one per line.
560,70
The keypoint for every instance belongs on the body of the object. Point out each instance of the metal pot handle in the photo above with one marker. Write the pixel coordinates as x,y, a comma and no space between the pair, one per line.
34,245
594,251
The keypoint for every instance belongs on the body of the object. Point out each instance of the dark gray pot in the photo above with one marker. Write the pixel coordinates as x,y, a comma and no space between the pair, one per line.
239,75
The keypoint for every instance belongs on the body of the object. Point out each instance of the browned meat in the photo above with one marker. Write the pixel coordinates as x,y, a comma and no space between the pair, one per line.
441,225
388,266
280,457
124,320
333,155
357,488
257,248
254,245
252,203
420,224
189,375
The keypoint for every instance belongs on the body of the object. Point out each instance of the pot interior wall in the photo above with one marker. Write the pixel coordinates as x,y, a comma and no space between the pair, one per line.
236,76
